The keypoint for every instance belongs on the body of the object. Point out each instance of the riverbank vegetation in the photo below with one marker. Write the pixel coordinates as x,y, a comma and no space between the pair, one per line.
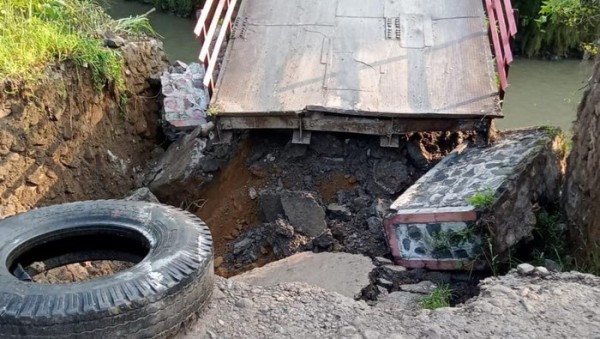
182,8
36,33
558,28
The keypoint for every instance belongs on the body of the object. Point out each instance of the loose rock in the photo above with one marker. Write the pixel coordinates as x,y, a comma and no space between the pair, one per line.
143,194
525,269
304,212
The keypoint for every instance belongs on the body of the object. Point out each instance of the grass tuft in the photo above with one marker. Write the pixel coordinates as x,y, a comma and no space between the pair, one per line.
36,33
438,298
483,200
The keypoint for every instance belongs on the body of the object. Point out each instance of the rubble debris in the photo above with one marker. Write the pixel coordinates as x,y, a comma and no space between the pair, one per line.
437,223
186,166
185,102
343,273
143,194
304,212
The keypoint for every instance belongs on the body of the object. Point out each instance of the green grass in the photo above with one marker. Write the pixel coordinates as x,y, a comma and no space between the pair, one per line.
438,298
482,200
37,33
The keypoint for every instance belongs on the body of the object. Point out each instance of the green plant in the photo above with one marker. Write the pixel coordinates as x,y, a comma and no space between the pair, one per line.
553,130
135,25
491,257
444,240
183,8
439,298
553,239
558,27
213,110
35,33
483,200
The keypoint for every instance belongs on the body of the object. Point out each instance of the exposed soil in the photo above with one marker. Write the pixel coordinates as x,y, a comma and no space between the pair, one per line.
81,271
336,182
61,140
226,205
352,172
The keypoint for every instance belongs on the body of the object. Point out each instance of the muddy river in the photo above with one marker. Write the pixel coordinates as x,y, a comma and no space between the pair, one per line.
541,92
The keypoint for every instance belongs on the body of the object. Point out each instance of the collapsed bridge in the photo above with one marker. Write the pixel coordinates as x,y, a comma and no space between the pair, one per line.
379,67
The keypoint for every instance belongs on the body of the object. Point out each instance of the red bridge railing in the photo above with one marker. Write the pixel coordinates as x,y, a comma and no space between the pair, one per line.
213,27
503,27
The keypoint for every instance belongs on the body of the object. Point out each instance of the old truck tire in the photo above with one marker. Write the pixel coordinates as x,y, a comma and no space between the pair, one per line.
172,280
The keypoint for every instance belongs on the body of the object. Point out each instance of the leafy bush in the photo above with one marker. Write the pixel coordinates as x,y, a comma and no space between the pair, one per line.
558,27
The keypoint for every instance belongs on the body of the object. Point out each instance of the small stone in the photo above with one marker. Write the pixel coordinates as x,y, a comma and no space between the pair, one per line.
418,154
371,334
304,212
243,303
375,225
111,157
4,112
420,251
13,157
406,244
178,67
324,241
114,42
414,233
252,193
395,268
218,261
37,178
339,211
542,271
242,245
142,194
525,269
221,322
347,331
552,265
433,229
424,287
383,261
385,281
379,207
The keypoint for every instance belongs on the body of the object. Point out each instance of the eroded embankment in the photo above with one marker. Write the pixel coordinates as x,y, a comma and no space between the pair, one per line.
62,140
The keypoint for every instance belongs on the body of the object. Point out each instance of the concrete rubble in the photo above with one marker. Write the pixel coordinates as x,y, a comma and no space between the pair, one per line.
142,194
186,165
185,102
344,273
475,195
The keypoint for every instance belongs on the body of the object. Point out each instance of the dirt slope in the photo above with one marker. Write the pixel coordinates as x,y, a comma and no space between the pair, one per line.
61,140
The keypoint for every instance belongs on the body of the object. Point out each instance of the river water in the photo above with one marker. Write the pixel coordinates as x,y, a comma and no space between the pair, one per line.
540,93
177,33
544,93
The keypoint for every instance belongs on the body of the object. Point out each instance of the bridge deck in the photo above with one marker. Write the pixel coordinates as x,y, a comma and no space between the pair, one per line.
402,59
